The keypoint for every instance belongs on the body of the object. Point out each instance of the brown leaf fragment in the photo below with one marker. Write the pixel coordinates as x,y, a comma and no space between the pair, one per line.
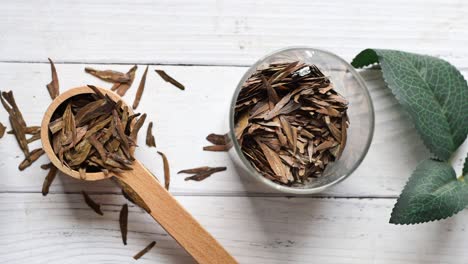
34,155
130,194
140,90
47,166
35,137
49,179
201,173
218,148
122,88
169,79
144,251
217,139
109,75
53,86
2,130
92,204
325,145
150,141
138,124
275,162
123,222
167,173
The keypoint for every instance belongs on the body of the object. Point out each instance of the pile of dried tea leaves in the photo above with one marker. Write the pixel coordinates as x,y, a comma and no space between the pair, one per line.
91,132
290,122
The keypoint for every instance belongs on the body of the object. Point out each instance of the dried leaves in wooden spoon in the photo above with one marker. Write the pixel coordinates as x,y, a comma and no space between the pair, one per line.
109,75
150,141
123,222
140,90
91,132
201,173
167,173
53,86
92,204
145,250
221,142
49,178
169,79
290,122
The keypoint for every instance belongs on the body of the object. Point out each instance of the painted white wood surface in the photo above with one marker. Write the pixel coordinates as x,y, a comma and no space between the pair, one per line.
226,32
184,118
350,228
62,229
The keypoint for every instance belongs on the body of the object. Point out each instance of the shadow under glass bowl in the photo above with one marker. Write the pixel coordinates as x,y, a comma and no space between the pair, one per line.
350,85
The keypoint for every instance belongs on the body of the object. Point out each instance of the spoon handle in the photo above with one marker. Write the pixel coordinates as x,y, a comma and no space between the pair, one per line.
179,223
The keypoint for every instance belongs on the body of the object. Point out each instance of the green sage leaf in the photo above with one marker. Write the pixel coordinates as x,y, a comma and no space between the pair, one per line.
432,193
432,91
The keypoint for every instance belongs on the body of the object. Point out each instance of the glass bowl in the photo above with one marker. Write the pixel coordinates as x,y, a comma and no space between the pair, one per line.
350,85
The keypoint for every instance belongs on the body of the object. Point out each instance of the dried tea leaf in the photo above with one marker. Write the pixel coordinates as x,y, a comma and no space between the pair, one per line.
53,86
150,141
122,88
34,155
131,195
2,130
47,166
49,178
92,204
138,124
16,120
144,251
123,221
109,75
217,148
218,139
167,175
275,162
201,173
140,90
169,79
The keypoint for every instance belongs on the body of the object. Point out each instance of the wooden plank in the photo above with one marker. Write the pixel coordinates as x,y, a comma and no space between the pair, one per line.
226,32
184,118
62,229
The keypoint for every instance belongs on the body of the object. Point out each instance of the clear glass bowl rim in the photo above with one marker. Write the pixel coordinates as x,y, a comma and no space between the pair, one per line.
277,186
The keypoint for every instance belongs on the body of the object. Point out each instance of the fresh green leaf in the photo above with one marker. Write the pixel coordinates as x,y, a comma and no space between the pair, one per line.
432,91
432,193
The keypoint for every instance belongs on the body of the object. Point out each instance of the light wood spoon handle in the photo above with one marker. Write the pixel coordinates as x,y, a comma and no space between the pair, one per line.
174,218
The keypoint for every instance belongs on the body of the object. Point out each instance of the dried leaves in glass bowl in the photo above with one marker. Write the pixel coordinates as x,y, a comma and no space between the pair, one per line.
290,123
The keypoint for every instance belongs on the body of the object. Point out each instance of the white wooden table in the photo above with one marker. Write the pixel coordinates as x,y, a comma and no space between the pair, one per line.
208,45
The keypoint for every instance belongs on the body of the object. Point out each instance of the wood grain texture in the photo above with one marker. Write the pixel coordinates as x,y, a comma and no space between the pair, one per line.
62,229
182,120
225,32
174,218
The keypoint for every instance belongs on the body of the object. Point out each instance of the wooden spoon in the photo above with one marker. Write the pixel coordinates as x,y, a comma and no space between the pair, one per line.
164,207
